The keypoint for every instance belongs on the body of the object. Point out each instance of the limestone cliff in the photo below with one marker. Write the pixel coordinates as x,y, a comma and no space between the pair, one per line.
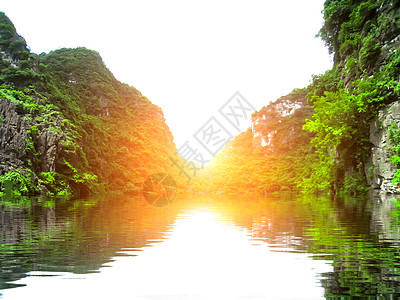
13,133
380,169
363,37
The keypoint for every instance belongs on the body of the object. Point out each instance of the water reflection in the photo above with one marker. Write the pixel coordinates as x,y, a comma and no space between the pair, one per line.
249,248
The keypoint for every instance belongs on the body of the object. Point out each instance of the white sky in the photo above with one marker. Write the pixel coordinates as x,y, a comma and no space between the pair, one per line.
188,57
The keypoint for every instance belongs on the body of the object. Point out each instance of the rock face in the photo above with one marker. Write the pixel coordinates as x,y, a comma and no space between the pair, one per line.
15,151
49,146
379,169
13,135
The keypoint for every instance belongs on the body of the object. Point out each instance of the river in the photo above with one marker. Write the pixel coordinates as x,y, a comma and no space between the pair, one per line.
243,247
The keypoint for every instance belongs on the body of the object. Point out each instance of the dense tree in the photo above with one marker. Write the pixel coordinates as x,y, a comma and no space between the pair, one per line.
111,136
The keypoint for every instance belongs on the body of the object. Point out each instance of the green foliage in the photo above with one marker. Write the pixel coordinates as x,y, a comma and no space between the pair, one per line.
337,137
320,176
354,185
346,24
32,134
112,137
370,50
330,81
17,63
125,136
48,177
22,182
108,136
247,165
79,177
334,115
394,137
56,184
347,98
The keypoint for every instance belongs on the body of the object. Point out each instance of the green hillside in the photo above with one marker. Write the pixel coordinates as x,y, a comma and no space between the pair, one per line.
69,127
327,142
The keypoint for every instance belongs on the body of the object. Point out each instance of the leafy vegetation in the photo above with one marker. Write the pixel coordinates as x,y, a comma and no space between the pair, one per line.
336,110
394,136
111,137
272,156
86,132
362,36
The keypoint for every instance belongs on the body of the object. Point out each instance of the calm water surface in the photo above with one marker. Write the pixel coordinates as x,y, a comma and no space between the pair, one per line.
199,248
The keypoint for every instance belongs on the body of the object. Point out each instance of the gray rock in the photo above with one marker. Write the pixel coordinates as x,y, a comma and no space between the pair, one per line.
14,155
13,133
49,146
379,169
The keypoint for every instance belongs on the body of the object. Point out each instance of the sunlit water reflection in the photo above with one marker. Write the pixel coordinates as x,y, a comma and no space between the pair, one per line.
193,249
